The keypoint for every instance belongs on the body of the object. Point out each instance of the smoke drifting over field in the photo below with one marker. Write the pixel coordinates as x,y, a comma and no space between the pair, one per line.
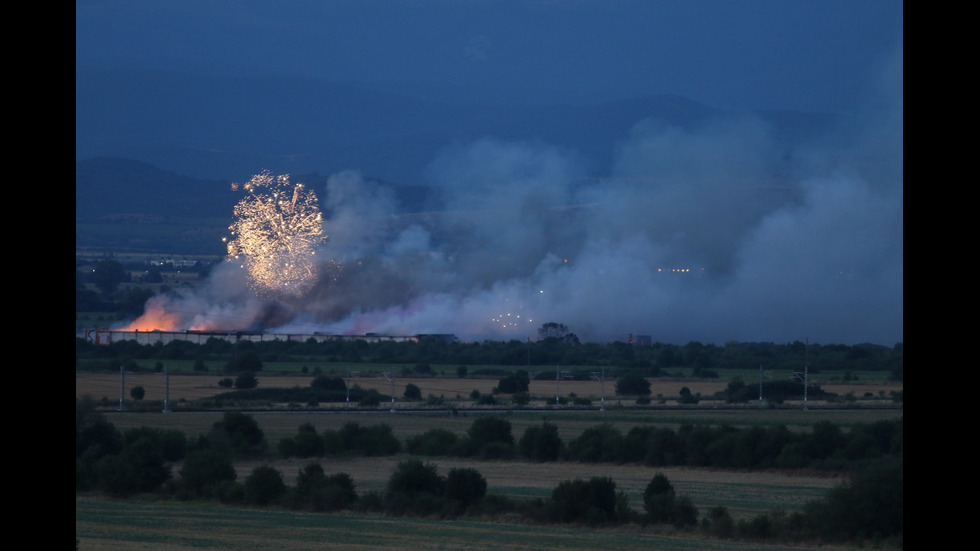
713,233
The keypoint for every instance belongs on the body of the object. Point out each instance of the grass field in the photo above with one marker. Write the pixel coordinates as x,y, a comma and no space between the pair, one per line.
103,525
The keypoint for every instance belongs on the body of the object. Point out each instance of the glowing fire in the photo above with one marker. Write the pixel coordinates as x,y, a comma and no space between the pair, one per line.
277,230
155,318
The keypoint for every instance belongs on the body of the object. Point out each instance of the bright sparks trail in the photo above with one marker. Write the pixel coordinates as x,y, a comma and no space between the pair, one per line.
278,227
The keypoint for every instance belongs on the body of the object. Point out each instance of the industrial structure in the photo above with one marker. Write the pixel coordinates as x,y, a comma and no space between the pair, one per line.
109,336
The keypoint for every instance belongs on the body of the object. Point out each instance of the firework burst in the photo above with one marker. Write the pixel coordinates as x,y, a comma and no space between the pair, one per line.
278,227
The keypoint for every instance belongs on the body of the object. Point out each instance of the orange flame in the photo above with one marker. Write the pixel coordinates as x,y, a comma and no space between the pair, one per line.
155,318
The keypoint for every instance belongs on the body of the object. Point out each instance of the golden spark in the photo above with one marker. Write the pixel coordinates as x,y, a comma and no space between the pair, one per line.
278,227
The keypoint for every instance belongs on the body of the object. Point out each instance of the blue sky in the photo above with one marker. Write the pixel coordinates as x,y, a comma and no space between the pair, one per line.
752,54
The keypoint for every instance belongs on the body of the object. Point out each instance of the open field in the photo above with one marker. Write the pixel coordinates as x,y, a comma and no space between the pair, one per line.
103,525
196,387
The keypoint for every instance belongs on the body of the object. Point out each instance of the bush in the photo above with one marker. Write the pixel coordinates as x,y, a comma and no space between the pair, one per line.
306,443
663,506
239,433
541,443
433,442
323,382
412,478
687,398
601,443
264,486
869,504
412,392
658,499
466,486
246,381
593,501
513,383
204,470
375,440
718,523
490,438
632,385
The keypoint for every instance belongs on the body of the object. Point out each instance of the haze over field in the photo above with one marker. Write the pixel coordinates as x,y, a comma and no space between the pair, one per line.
735,221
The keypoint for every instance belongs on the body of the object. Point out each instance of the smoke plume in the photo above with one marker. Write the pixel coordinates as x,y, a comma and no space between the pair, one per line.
713,233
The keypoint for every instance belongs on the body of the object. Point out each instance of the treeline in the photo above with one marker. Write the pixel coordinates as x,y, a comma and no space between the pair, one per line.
652,360
869,505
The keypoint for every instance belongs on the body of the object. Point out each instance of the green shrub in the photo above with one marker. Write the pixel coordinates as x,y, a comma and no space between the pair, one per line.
433,442
264,486
541,443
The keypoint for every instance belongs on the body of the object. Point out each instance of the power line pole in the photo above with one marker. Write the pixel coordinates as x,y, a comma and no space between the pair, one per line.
558,376
122,387
601,377
166,390
806,374
391,379
347,383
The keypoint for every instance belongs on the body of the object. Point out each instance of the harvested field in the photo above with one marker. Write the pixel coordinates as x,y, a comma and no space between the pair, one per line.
744,493
198,387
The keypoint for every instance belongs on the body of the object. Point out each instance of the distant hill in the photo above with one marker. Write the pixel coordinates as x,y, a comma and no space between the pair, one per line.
153,146
122,205
222,127
112,187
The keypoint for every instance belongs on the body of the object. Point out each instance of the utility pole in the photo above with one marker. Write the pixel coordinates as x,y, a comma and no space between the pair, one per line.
347,383
558,375
166,390
122,387
806,374
601,377
760,383
391,379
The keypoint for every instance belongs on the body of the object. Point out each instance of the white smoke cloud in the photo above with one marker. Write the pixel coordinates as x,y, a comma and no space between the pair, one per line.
714,233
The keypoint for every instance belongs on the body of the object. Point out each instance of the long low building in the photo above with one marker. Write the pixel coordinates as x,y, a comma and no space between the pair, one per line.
109,336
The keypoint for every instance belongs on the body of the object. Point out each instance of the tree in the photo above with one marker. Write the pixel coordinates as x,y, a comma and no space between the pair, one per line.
322,492
541,443
632,385
594,501
868,504
264,485
137,392
663,505
204,470
558,332
658,499
687,398
412,478
412,392
435,441
306,443
324,382
246,380
244,361
239,433
514,383
108,275
465,485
